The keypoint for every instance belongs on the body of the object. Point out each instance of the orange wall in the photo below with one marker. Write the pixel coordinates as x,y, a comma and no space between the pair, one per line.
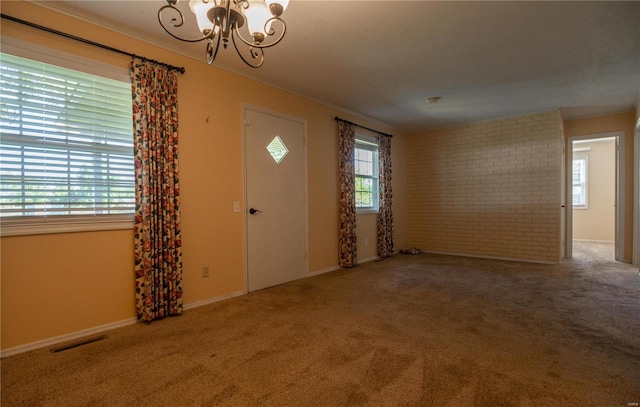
605,124
62,283
56,284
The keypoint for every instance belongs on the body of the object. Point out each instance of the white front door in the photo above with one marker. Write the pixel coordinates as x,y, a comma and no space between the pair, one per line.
276,206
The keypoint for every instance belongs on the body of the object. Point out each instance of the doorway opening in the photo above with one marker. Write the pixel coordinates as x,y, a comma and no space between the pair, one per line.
595,225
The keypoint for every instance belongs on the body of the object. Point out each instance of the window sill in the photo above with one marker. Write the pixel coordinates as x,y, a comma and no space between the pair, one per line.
64,224
367,211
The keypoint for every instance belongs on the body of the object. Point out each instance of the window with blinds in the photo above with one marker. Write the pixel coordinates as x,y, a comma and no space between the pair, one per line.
365,157
66,142
580,182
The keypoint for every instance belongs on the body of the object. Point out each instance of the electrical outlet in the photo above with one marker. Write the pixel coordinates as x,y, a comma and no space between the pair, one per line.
205,271
366,241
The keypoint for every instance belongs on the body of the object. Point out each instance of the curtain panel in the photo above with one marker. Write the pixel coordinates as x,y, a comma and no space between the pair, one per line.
157,236
348,256
385,214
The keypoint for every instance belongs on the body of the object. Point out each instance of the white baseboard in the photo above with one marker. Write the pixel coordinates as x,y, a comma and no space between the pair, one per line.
102,328
360,261
594,241
67,337
494,257
212,300
334,268
327,270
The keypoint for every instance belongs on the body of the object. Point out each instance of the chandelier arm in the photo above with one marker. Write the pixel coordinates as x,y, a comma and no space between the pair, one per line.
254,52
211,52
270,33
176,23
242,3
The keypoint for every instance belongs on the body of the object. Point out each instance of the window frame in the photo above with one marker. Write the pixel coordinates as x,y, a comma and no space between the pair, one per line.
582,183
369,144
34,225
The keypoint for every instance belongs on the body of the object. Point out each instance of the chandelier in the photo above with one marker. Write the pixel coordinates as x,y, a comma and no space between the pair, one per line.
255,23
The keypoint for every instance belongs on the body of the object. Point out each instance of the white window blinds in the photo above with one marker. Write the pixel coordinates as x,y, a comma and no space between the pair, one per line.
366,175
66,142
580,182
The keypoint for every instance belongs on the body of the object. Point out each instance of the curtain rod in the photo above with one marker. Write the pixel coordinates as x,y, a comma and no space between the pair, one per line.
95,44
363,127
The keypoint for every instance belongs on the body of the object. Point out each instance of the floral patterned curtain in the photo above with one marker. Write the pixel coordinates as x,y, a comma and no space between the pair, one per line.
348,252
157,246
385,215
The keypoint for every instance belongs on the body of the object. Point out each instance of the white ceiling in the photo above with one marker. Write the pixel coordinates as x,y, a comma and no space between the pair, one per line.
383,59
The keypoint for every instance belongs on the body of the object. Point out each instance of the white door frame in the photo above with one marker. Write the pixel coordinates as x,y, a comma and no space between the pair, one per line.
620,191
636,196
245,108
563,199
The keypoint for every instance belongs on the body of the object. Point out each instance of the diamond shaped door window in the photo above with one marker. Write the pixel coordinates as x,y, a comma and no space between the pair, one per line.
277,149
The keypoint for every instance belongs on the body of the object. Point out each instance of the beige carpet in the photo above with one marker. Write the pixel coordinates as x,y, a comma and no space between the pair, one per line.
423,330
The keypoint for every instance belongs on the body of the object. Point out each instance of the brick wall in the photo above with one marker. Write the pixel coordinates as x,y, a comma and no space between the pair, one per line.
488,189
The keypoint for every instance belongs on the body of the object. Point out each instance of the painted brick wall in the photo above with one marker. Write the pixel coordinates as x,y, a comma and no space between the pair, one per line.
488,189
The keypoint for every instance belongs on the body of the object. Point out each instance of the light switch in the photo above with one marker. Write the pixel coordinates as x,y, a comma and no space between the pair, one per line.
236,206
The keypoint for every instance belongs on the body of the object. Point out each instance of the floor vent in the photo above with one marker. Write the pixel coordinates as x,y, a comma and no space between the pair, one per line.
76,344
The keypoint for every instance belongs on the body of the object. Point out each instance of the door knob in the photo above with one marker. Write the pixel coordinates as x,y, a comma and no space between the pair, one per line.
254,211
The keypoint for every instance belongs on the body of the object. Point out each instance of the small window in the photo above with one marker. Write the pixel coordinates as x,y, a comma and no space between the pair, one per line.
66,148
580,182
366,179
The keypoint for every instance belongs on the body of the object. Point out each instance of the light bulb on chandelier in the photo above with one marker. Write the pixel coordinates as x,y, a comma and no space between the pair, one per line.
256,23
